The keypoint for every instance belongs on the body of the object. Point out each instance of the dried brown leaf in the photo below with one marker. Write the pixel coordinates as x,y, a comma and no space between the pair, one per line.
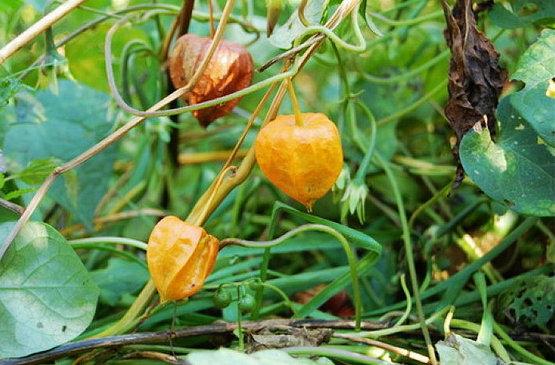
475,77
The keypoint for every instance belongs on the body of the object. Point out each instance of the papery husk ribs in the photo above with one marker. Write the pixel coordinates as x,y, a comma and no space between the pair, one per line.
230,69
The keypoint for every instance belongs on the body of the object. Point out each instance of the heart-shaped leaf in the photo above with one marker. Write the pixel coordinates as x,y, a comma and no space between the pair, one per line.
518,168
536,68
46,295
62,127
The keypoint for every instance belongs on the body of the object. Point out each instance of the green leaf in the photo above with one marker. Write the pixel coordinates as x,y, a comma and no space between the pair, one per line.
36,171
118,278
62,127
536,68
14,194
225,356
457,350
518,168
284,35
524,13
85,55
46,295
529,303
9,87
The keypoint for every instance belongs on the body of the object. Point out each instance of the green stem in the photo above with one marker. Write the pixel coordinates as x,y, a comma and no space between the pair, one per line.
314,227
129,320
97,246
519,349
409,74
406,314
365,164
282,294
439,195
403,328
106,239
413,21
414,105
239,320
340,354
409,256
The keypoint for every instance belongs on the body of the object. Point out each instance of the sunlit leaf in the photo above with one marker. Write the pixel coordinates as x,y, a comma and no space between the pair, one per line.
46,295
536,68
518,168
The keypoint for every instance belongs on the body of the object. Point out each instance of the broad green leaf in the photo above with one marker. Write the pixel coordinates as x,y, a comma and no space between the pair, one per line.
283,36
225,356
62,127
523,13
46,295
118,278
457,350
517,169
536,68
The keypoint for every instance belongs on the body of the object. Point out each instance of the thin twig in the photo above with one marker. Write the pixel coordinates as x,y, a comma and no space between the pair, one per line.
129,214
36,29
71,349
16,208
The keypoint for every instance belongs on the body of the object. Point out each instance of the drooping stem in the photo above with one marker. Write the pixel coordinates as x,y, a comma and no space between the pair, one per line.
312,227
115,240
295,103
128,320
409,256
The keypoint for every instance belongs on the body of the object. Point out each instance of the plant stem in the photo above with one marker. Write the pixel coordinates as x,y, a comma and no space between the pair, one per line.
519,349
347,356
129,318
36,29
409,256
313,227
116,240
295,104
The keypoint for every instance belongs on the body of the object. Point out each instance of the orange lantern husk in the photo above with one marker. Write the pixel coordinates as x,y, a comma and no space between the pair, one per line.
229,70
180,256
303,161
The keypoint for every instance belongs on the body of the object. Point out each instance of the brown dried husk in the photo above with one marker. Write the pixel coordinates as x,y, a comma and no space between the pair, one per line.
229,70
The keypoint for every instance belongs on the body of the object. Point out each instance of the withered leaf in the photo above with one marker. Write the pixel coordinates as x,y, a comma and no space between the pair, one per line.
475,77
